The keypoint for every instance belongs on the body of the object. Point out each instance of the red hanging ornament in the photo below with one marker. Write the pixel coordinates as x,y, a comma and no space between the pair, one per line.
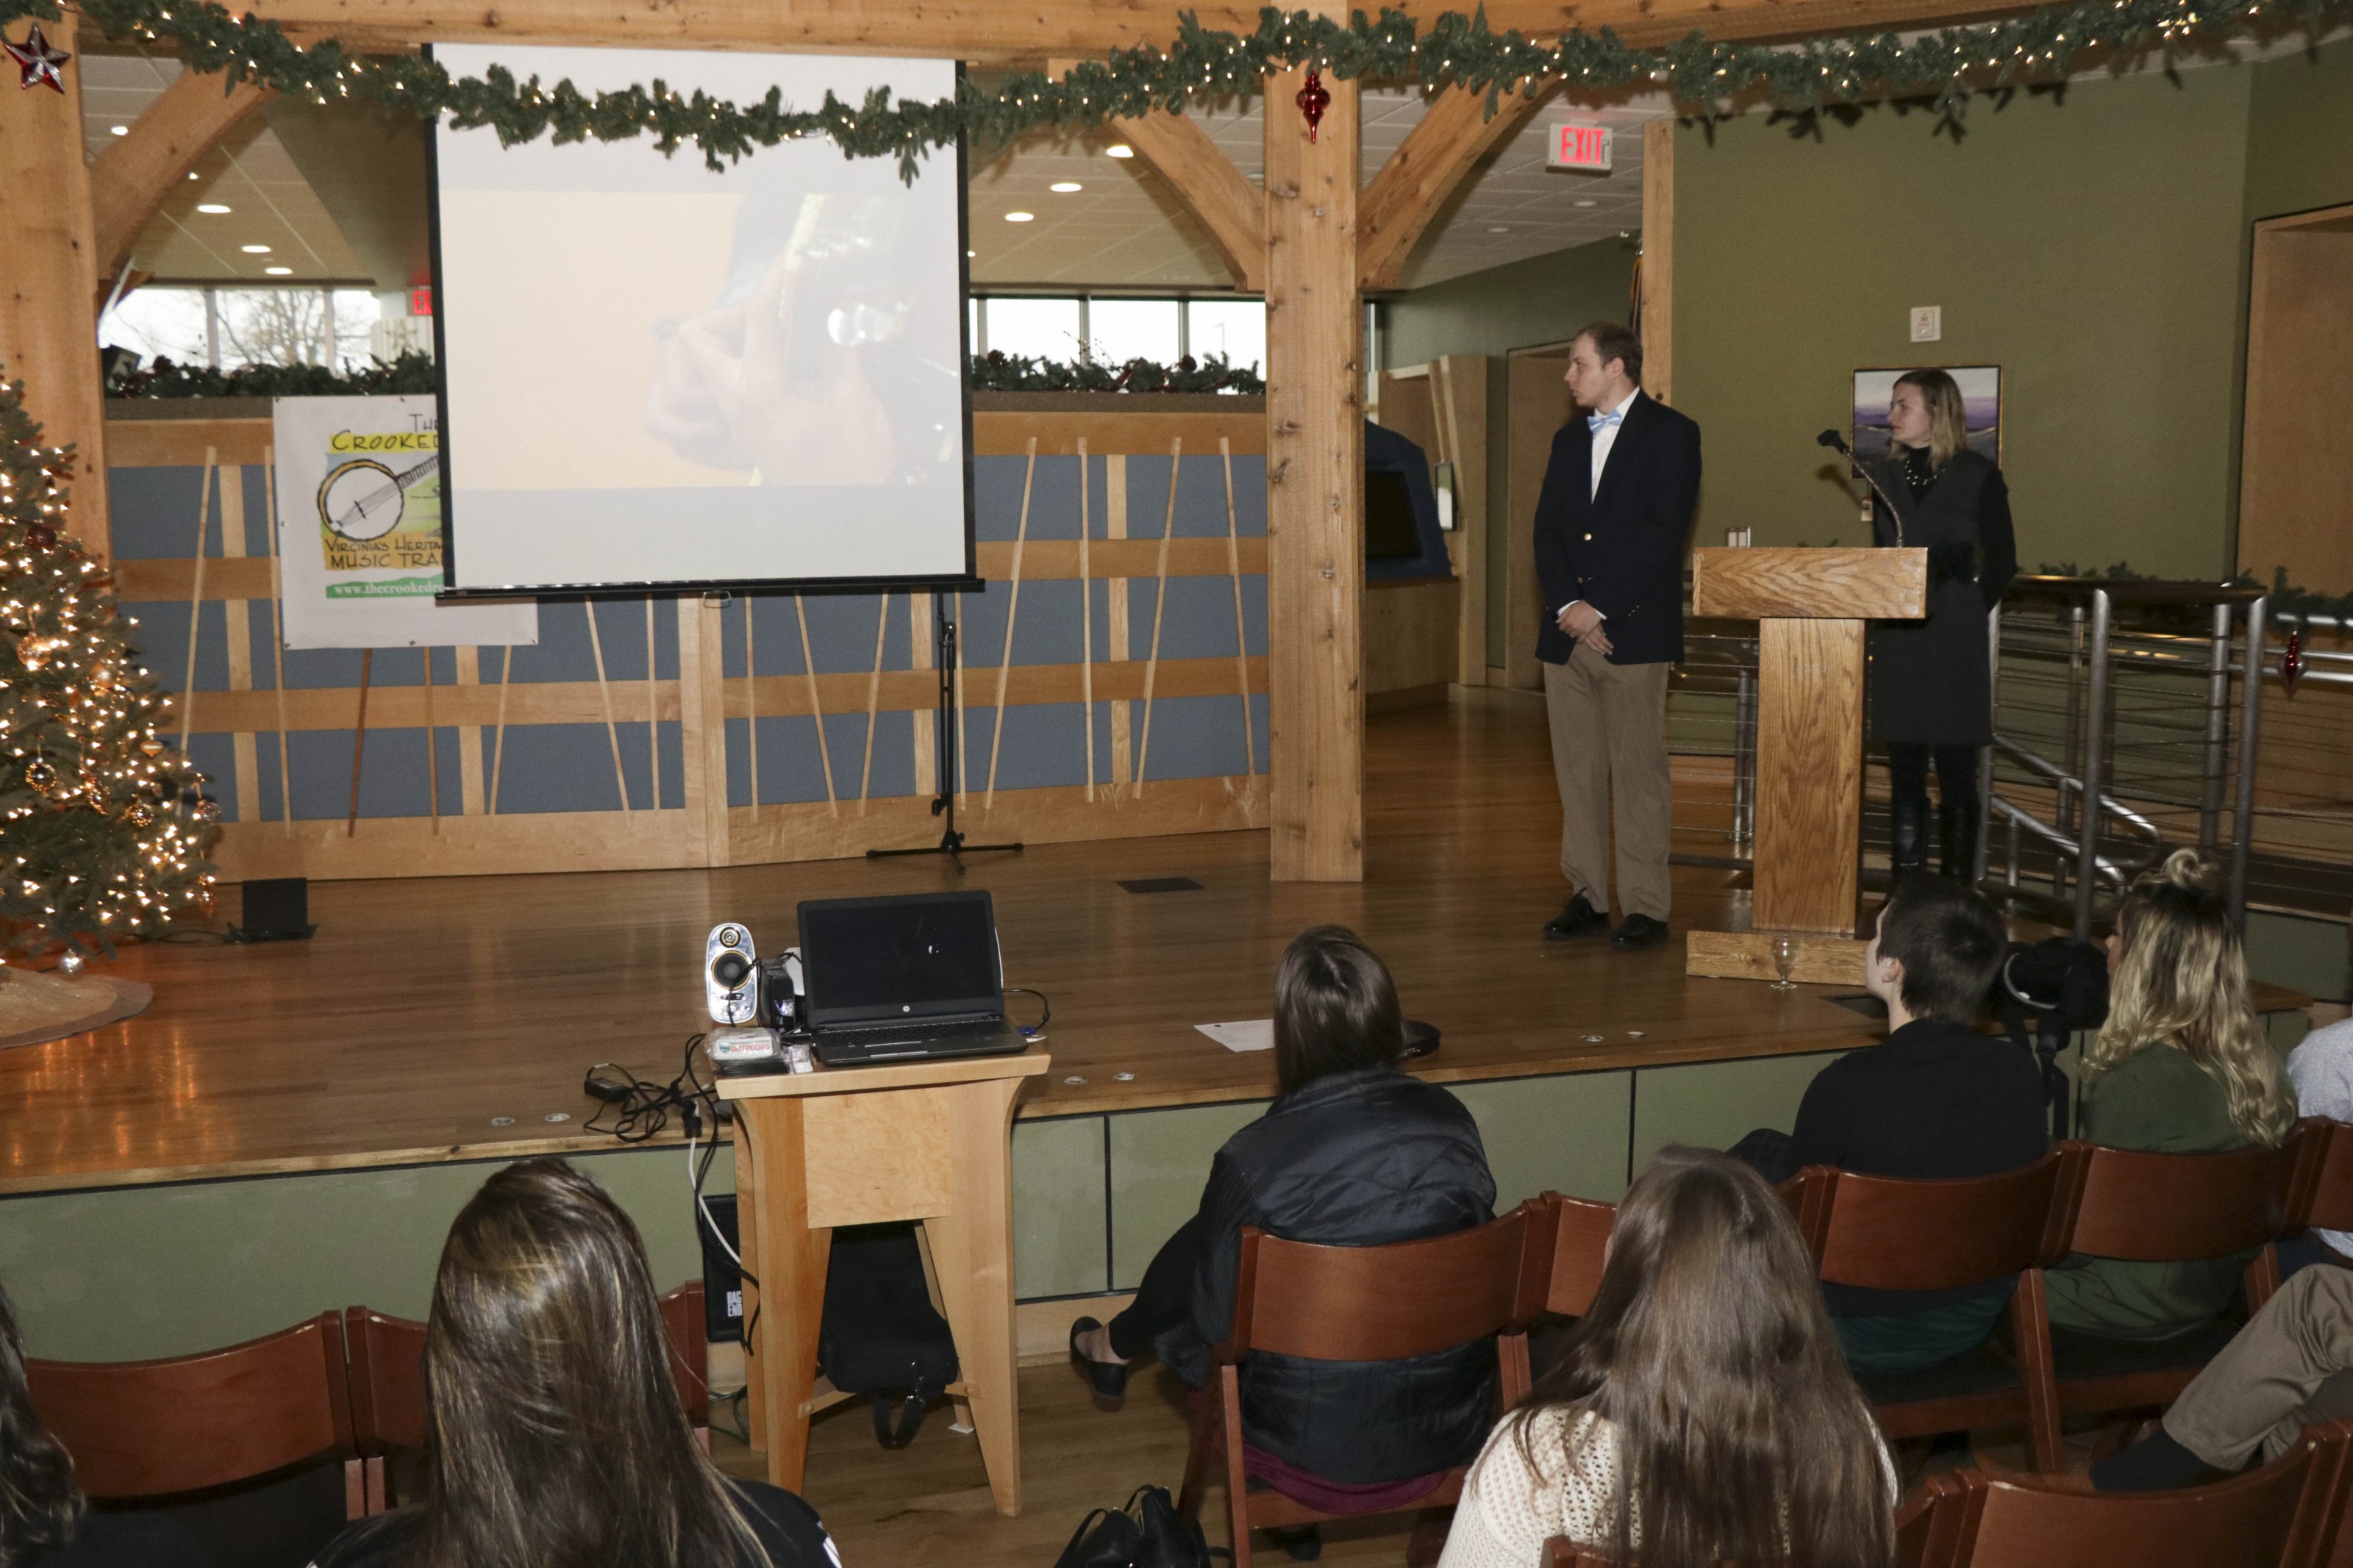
2292,662
41,536
1312,100
36,62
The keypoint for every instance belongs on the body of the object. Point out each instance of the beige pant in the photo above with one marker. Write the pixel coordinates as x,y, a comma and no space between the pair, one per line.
1610,739
2291,1366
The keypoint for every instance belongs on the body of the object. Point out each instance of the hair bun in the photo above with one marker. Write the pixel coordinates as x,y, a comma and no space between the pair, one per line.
2192,871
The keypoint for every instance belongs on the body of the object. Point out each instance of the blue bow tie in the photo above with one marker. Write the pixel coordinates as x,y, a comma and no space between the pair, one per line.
1598,423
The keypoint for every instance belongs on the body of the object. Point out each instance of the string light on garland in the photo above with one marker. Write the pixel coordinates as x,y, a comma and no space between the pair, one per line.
1451,49
88,855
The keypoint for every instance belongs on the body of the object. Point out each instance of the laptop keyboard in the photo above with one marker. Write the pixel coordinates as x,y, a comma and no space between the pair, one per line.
852,1032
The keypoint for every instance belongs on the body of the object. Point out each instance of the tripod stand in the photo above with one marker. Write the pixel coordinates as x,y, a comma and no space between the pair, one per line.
951,844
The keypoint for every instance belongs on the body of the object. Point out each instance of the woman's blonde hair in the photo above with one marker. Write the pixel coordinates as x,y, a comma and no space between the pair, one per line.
1948,415
2182,981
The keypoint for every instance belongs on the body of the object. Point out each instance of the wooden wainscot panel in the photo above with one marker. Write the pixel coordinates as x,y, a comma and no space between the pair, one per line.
1409,640
181,443
1136,428
1811,584
1748,955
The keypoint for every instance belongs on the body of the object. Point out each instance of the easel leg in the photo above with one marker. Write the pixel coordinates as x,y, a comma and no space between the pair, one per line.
792,1264
973,1249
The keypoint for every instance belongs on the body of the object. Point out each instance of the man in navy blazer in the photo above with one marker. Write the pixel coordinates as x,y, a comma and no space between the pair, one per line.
1611,526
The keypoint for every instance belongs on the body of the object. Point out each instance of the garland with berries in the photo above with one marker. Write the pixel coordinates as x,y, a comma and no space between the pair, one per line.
1202,63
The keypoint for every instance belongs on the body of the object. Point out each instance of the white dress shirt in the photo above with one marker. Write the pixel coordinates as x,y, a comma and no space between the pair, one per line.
2322,1070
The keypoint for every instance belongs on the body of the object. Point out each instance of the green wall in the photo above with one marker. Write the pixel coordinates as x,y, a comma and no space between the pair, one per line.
2089,241
2300,132
1519,305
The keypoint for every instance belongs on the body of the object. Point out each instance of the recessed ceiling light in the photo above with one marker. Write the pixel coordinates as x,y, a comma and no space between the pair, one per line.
119,130
254,250
1588,202
1019,217
279,271
1499,228
1064,187
1119,150
211,207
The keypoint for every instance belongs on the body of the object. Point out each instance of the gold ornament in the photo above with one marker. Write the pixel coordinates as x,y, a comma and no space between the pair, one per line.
139,813
41,777
151,747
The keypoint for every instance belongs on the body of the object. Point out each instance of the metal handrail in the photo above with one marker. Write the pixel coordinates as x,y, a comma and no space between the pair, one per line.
2021,817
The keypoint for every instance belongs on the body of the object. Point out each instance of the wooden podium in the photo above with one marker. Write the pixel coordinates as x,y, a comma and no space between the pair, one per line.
1810,607
926,1141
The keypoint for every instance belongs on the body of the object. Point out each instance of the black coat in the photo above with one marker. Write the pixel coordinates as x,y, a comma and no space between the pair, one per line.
1621,548
1930,683
1351,1159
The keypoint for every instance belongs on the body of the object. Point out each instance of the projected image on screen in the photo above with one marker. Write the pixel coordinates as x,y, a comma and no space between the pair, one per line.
660,374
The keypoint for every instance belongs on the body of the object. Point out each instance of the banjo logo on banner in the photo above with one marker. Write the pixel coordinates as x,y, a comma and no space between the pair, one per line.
359,504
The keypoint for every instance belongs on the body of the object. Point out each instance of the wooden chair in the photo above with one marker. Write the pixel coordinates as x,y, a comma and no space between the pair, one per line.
2166,1208
185,1424
1884,1234
1567,1240
1356,1304
387,1382
2284,1515
2324,1178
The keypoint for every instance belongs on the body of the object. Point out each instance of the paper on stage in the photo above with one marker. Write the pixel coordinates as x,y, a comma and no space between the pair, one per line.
1251,1035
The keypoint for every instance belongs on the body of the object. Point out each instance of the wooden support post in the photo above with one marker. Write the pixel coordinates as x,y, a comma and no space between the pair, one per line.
244,745
48,280
1121,644
1315,479
1406,196
1658,259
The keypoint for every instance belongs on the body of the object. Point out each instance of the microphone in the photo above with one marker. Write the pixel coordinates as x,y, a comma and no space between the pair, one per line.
1837,442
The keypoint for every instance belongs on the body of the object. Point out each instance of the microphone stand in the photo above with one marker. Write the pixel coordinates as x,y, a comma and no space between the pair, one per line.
1831,439
951,844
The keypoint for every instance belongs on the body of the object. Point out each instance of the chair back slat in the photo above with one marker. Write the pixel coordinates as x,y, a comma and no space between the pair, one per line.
1580,1245
387,1380
1887,1234
152,1428
2247,1522
1377,1303
2326,1200
690,1350
2170,1208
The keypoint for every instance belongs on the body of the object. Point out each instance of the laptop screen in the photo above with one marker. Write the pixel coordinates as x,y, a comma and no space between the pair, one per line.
926,955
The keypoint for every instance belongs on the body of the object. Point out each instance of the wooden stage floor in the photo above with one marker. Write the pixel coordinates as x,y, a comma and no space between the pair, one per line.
425,1010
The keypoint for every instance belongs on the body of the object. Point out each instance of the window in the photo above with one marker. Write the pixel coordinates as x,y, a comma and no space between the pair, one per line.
1123,329
231,328
1234,327
1034,329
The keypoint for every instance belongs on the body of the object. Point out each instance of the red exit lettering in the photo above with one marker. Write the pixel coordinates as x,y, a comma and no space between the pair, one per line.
1580,147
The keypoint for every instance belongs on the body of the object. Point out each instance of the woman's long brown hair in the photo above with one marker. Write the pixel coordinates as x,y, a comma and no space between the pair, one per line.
1741,1435
558,1439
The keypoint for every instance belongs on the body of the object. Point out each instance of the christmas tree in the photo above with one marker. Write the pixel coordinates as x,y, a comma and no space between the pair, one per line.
103,826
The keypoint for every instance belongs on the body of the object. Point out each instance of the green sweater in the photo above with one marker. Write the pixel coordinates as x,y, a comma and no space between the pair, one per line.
2162,1102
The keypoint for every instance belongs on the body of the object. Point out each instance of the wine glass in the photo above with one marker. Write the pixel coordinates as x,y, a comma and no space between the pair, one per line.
1785,959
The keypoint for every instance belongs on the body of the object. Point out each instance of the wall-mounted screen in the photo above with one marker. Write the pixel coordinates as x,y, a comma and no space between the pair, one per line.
656,375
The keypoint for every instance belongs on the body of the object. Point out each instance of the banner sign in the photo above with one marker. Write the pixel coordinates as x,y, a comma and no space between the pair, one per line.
359,529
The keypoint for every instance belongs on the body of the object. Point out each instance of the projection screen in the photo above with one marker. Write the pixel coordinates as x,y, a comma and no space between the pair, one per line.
655,376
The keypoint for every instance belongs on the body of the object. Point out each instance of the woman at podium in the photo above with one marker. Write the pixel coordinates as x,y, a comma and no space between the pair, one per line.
1931,682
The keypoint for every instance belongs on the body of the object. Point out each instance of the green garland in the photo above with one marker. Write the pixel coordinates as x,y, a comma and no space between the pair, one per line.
997,371
412,373
1453,50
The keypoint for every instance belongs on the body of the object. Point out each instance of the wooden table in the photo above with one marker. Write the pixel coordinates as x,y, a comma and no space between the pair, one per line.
923,1140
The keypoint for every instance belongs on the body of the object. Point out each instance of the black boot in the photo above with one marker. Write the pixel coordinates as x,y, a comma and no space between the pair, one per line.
1956,834
1908,821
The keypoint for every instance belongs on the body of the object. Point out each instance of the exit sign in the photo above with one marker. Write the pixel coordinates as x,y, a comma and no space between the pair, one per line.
1579,147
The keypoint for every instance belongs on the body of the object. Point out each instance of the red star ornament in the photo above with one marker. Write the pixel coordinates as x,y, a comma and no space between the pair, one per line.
36,62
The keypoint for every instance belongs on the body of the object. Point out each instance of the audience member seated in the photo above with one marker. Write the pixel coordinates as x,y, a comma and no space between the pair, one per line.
2290,1367
45,1520
1701,1412
1353,1152
557,1433
2322,1071
1934,1100
2182,1067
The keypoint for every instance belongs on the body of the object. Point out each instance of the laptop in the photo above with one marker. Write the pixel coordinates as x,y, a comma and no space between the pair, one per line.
913,978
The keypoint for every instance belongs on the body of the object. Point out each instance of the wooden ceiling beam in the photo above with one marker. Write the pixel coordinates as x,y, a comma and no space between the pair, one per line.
1004,32
1413,186
130,179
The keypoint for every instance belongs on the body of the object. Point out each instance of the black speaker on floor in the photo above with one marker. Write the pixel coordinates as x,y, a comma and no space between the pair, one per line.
276,909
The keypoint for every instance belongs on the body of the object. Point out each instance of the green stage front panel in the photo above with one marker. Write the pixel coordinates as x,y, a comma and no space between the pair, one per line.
1159,1164
1565,1134
1061,1236
1714,1104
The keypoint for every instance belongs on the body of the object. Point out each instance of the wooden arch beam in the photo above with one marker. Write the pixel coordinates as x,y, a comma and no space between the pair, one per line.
1437,156
1231,210
130,179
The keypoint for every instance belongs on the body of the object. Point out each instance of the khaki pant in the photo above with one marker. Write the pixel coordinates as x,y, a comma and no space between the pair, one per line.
1609,739
2291,1366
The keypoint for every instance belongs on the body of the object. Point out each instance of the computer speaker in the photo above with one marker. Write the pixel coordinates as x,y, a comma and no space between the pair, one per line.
730,974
